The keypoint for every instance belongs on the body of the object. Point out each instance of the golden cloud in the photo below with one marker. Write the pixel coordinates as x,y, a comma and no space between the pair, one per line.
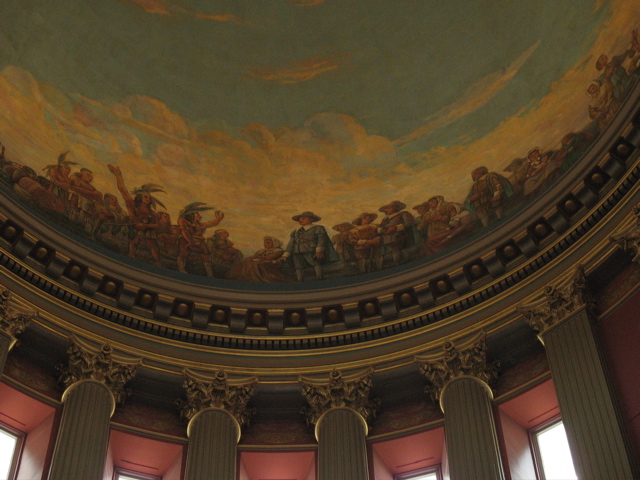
477,95
305,3
298,71
163,7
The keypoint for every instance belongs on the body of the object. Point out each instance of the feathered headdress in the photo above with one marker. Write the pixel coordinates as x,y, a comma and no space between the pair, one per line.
149,189
61,161
194,207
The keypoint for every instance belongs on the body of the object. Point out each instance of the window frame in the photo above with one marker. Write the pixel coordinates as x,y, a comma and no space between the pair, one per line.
535,446
133,474
17,452
421,471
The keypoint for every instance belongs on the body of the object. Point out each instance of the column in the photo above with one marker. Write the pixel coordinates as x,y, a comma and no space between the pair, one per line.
215,411
564,320
95,384
13,321
459,379
339,411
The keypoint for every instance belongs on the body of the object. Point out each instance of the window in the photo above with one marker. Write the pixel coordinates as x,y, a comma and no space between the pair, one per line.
10,444
121,474
551,451
429,473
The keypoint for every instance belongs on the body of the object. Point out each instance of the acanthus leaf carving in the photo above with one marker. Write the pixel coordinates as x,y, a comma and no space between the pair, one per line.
559,302
629,238
13,319
87,364
468,360
338,392
217,393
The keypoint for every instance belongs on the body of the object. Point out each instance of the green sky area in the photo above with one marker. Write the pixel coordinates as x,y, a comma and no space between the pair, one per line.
401,60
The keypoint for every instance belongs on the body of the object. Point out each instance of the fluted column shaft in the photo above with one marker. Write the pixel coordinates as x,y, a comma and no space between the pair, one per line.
6,342
342,446
470,430
213,439
597,439
83,437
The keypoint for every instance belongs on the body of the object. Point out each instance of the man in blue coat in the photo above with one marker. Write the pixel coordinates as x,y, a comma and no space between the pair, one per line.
309,245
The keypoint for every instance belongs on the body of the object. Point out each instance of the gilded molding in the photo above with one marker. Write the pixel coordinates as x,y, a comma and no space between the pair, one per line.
13,319
469,360
559,302
87,364
629,238
339,393
217,393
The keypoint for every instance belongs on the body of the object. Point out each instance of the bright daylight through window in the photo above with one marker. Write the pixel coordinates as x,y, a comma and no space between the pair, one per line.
431,473
554,460
8,445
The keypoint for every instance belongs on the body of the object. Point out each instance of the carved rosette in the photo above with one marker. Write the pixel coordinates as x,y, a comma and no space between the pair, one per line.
217,393
469,360
629,238
559,302
88,364
13,319
352,393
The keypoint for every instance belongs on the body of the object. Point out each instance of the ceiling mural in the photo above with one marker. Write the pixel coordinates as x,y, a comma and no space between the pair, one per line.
291,140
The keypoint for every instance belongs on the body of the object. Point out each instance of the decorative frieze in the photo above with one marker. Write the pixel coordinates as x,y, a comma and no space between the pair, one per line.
468,360
87,364
13,318
217,393
559,302
351,393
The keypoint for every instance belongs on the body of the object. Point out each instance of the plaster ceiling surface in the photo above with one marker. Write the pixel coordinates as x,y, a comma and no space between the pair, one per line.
260,111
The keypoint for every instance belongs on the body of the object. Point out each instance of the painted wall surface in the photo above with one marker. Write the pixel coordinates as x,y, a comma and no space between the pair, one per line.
619,333
34,452
517,448
252,113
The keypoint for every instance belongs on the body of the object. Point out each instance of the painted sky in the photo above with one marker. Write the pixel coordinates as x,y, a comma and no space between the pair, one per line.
266,108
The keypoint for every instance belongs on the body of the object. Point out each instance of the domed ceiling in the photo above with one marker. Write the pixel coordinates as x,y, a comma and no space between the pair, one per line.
124,121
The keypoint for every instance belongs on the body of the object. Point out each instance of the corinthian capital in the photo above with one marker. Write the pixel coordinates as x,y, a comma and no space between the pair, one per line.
13,318
629,238
88,364
468,360
217,393
338,392
558,302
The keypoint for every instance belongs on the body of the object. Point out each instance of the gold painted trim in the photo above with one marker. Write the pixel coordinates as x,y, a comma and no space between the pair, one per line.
464,377
362,419
90,380
215,409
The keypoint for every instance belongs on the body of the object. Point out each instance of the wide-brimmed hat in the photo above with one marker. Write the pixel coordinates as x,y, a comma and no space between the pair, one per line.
358,221
423,204
311,215
343,224
396,203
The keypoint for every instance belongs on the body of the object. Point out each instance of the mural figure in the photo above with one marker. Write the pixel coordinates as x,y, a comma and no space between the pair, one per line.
395,234
142,211
262,266
59,173
436,219
363,238
461,221
489,194
191,241
223,254
421,228
339,240
309,245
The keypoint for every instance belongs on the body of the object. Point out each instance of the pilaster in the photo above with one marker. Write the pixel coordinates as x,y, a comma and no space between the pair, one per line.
13,320
216,411
94,383
459,380
340,412
563,318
